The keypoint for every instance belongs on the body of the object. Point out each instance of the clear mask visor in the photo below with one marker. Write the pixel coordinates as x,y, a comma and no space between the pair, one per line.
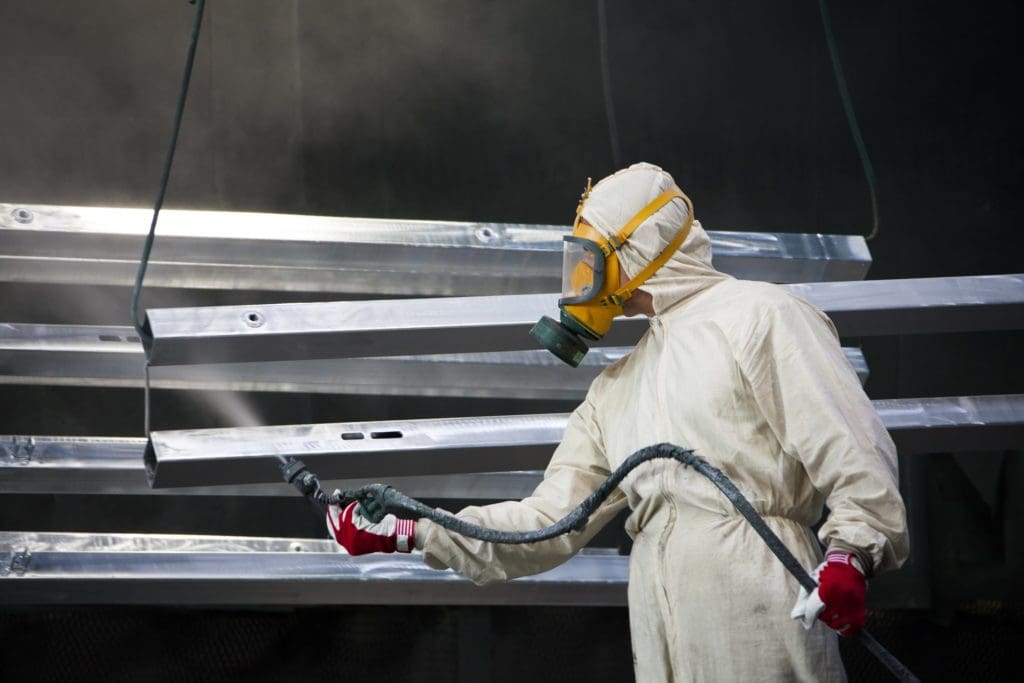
583,269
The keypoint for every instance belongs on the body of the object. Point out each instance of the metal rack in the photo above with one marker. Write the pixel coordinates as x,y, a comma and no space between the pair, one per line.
435,348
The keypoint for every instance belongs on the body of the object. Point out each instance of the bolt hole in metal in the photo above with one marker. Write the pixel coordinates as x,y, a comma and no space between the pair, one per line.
254,319
486,234
355,436
22,215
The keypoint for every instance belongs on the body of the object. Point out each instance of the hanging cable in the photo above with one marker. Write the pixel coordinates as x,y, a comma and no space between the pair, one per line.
166,173
851,118
606,83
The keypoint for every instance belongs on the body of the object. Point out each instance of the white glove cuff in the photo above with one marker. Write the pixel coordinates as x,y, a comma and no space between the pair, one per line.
842,557
404,530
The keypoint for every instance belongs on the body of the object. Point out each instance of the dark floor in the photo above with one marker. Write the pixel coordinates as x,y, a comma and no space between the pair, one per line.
437,644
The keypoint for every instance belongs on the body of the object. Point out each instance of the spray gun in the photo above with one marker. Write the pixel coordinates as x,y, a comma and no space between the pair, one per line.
377,500
372,498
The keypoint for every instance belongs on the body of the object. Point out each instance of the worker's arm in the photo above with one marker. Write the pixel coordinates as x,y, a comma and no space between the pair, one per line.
813,402
577,467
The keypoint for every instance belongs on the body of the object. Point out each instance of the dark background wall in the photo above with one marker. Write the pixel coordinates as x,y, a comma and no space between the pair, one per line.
467,109
494,111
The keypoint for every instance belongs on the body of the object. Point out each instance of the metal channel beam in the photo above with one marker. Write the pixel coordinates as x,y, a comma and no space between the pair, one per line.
196,570
460,445
109,356
47,464
278,252
226,334
153,569
91,465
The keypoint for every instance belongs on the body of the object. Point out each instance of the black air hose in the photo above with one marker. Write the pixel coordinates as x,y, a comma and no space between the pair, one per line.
378,500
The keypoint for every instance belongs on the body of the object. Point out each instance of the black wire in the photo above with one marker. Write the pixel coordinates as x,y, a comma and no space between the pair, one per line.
165,175
851,118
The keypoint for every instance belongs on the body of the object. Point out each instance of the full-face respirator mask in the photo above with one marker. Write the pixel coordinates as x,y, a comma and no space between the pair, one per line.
592,289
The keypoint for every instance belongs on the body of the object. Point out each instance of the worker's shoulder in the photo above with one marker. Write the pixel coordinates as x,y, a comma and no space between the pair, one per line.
745,309
617,369
744,298
602,386
612,371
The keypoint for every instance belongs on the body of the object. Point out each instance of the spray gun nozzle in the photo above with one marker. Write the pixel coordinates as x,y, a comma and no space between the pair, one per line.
295,473
291,468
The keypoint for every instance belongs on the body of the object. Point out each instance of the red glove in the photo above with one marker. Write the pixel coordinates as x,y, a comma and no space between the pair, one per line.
360,536
839,598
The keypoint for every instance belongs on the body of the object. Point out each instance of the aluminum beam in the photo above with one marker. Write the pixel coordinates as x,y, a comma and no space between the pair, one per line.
110,356
90,465
208,457
47,464
152,569
226,334
277,252
127,569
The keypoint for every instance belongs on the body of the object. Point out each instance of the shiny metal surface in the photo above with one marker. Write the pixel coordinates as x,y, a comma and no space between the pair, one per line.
47,464
189,570
521,442
56,464
920,305
88,465
279,252
226,334
954,424
203,457
161,543
111,356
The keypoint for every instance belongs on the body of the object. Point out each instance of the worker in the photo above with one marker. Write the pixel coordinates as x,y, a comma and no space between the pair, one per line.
753,379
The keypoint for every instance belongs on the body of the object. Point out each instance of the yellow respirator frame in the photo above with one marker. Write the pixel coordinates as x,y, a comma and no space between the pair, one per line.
595,317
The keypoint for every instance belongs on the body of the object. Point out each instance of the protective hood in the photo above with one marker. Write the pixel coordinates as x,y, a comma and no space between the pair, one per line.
619,197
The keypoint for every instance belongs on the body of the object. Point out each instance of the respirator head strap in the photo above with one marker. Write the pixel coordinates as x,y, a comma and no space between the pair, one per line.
625,292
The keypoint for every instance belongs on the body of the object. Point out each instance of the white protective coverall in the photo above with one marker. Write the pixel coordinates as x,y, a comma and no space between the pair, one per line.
752,378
